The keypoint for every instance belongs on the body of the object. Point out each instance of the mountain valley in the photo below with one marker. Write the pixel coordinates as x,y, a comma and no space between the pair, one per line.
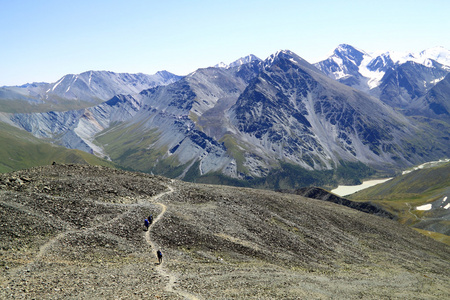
419,199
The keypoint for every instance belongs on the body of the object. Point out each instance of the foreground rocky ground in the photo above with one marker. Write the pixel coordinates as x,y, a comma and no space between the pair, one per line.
76,232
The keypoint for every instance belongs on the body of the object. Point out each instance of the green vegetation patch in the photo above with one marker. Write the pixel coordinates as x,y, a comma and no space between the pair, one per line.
169,167
401,195
21,150
235,151
435,235
131,147
351,173
417,187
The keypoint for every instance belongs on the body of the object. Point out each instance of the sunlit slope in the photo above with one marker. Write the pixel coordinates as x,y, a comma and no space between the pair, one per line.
418,186
419,198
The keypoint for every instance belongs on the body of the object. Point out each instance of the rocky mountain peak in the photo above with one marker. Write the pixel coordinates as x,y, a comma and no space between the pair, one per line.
349,53
280,55
396,78
381,63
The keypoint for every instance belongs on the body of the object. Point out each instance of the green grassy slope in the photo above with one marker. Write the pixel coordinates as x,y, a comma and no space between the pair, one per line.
22,106
418,186
20,150
403,194
128,146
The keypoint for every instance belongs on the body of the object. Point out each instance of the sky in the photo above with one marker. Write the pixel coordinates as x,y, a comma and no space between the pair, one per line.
41,41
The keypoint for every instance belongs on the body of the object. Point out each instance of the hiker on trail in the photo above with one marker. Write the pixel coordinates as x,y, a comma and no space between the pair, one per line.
159,254
150,219
146,223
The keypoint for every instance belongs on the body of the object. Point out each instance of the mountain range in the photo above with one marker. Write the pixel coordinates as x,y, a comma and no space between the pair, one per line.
398,79
83,90
271,122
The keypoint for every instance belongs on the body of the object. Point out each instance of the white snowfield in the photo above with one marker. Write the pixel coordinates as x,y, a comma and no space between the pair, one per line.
344,190
424,207
426,165
429,206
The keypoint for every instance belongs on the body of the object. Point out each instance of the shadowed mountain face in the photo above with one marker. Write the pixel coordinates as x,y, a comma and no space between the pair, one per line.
435,103
78,231
293,112
409,81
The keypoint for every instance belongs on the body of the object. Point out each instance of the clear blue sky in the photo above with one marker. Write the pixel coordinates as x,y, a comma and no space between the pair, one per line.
44,40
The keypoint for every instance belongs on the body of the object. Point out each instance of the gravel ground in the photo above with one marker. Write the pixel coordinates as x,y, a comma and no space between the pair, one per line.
77,232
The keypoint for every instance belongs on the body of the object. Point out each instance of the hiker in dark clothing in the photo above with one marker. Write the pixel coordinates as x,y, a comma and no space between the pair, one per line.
150,219
146,224
159,254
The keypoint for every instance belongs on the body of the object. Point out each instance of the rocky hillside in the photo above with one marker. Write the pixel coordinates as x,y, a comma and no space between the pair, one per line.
71,231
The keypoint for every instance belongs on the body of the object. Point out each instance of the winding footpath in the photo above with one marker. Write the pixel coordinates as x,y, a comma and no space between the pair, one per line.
163,272
160,268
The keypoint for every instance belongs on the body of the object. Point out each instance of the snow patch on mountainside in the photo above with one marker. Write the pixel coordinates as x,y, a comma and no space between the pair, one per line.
343,62
239,62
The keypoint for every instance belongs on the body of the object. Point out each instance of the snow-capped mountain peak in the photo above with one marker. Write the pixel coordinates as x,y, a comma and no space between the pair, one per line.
269,61
358,68
348,50
439,54
222,65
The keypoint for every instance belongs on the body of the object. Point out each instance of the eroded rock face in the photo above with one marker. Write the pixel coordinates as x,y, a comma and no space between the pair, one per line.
91,87
78,231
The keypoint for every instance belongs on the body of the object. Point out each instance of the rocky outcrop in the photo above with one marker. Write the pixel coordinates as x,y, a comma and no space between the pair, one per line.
321,194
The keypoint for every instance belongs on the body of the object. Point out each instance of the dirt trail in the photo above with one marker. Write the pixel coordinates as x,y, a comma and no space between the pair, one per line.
410,212
160,268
